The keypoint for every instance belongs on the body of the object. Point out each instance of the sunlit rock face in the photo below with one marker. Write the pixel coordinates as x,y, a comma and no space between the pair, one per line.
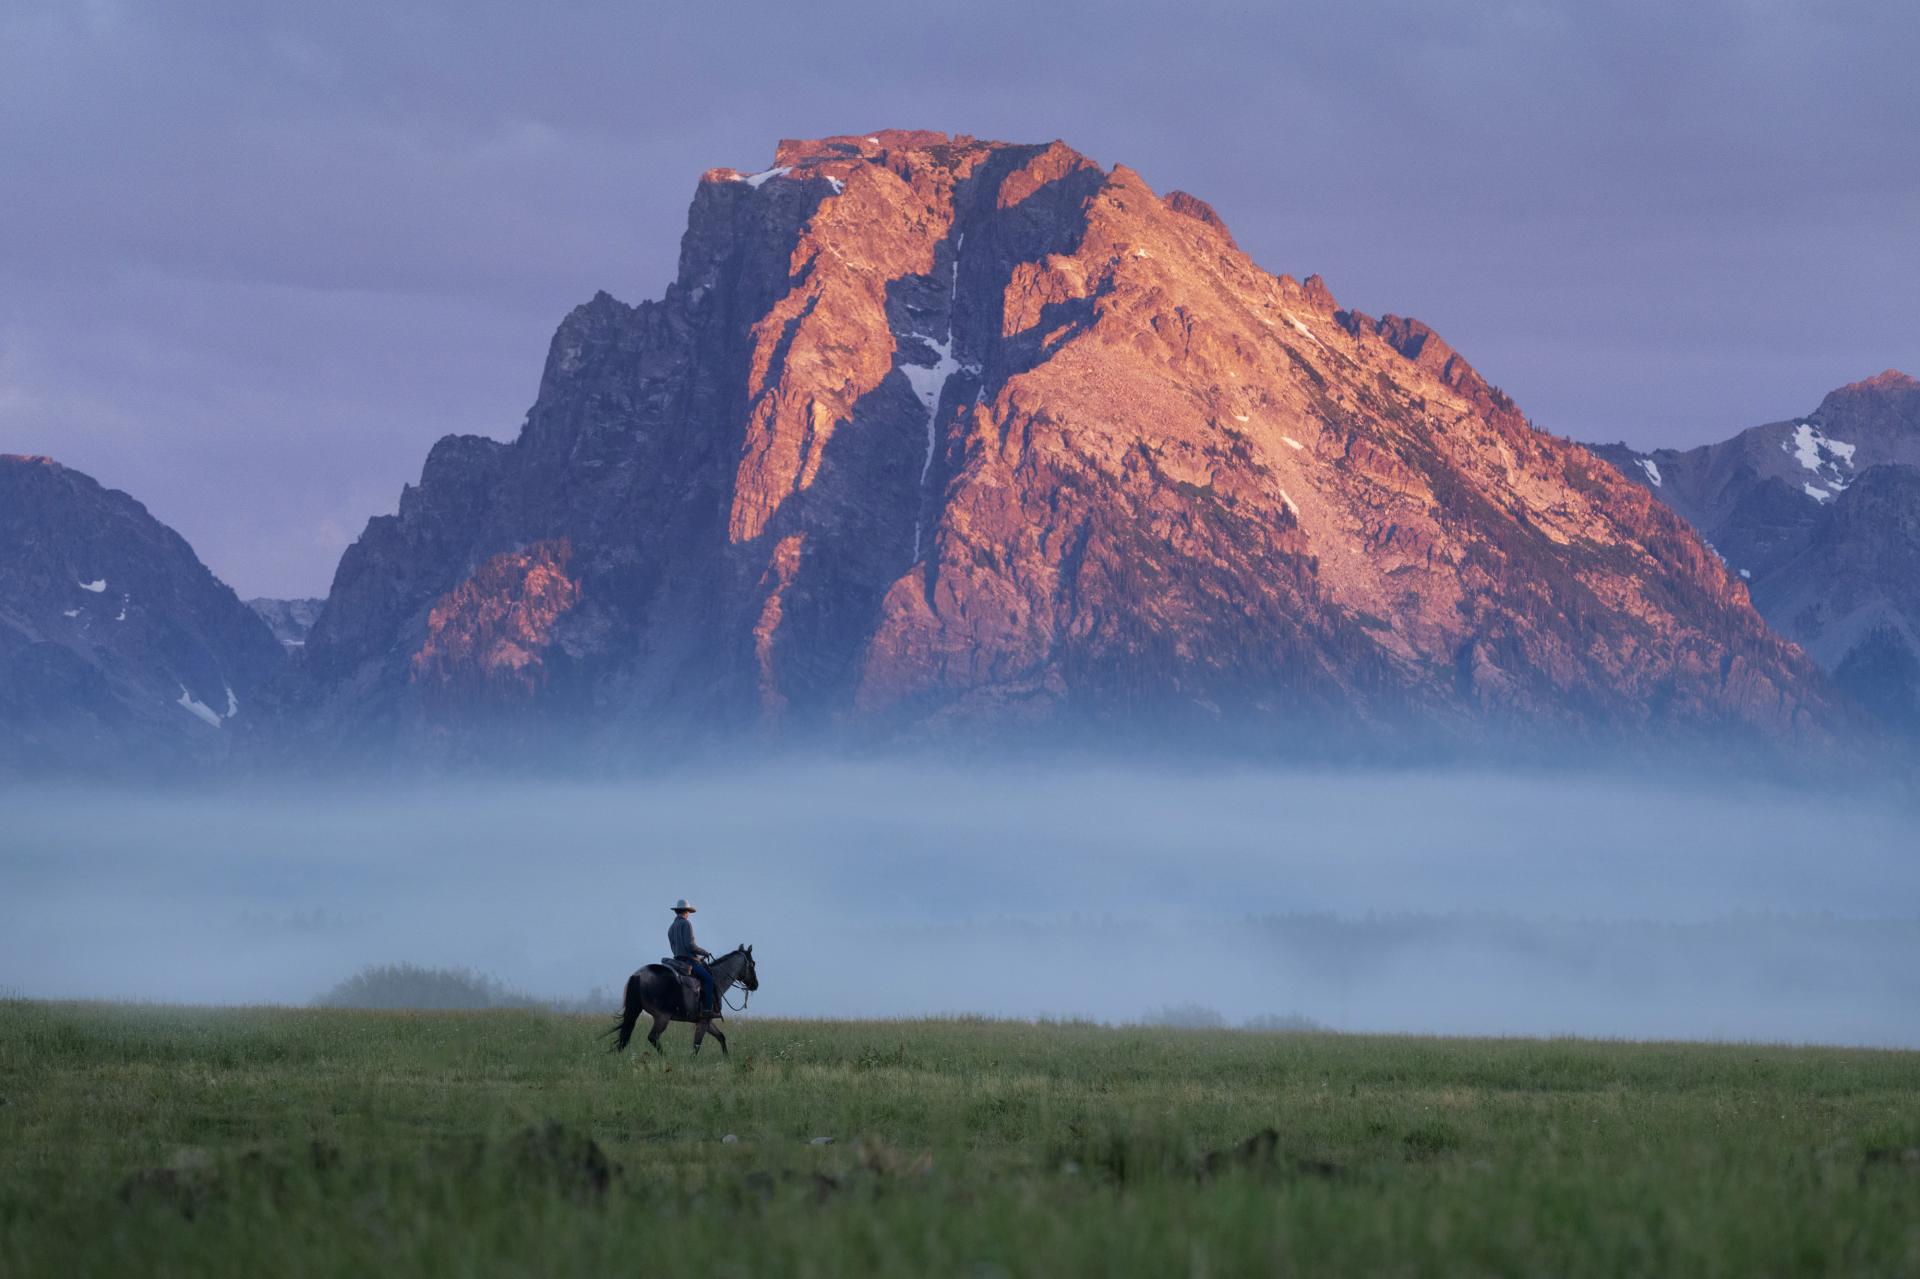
1821,516
117,646
495,631
934,436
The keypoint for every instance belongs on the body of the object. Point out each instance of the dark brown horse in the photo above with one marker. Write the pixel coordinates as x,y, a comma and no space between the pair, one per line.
655,990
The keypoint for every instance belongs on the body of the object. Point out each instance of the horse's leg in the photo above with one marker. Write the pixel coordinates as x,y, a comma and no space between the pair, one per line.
699,1033
659,1024
715,1032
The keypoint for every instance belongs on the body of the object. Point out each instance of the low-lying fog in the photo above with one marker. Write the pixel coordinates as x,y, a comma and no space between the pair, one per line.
1450,902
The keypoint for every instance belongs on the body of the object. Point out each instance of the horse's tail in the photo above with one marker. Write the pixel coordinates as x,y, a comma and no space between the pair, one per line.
622,1030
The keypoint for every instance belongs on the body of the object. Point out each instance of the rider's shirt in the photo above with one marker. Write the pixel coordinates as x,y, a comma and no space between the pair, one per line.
680,938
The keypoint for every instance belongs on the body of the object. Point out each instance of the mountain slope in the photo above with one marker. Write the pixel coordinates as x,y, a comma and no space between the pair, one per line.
1822,514
934,434
116,643
1851,597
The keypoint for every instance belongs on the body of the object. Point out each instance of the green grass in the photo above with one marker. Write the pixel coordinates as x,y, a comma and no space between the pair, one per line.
350,1143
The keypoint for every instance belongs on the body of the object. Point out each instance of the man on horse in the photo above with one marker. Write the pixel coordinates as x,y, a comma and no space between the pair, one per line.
688,951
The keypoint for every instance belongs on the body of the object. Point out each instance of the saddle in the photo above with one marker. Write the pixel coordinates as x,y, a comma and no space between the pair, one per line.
689,985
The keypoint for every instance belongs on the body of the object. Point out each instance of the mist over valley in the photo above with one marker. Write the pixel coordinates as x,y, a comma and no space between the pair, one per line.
1430,901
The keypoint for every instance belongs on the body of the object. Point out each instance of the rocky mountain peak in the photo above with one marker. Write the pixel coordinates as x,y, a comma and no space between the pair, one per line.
936,434
1887,380
1886,403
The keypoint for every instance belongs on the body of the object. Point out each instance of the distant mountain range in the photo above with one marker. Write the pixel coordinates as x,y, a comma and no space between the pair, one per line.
289,620
1821,516
934,437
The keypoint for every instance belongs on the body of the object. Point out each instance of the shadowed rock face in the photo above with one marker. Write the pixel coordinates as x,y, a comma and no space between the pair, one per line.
1851,596
933,435
117,646
1820,513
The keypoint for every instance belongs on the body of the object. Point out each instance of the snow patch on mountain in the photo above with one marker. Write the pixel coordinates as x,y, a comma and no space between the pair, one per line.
1825,457
929,383
198,709
1303,329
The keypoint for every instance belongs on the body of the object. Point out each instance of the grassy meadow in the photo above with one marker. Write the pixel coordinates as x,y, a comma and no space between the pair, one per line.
169,1141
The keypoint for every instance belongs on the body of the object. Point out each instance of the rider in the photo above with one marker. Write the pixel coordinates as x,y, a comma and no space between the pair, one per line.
680,938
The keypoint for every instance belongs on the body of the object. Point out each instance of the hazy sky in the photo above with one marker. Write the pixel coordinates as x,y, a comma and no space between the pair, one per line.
256,257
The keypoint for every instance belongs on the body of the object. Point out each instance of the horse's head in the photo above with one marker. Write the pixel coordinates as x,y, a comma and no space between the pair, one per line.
749,976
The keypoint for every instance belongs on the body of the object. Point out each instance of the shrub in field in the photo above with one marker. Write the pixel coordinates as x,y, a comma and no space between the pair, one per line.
1187,1017
1285,1023
415,987
1201,1017
598,1001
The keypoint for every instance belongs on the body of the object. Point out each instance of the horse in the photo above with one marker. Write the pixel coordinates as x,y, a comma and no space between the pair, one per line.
655,990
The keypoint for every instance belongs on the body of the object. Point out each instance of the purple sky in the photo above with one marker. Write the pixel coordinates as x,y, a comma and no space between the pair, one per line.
253,263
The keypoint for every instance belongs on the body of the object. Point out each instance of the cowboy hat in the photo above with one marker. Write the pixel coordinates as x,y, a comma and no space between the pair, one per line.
684,904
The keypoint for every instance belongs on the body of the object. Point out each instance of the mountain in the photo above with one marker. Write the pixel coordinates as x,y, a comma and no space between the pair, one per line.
117,646
289,620
1851,598
1758,496
938,436
1821,514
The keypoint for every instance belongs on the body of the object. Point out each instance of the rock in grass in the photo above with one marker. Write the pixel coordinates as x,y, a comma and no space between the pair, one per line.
570,1159
185,1181
1892,1155
1260,1153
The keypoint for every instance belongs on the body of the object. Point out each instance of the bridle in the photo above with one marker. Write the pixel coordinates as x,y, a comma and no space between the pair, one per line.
746,992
